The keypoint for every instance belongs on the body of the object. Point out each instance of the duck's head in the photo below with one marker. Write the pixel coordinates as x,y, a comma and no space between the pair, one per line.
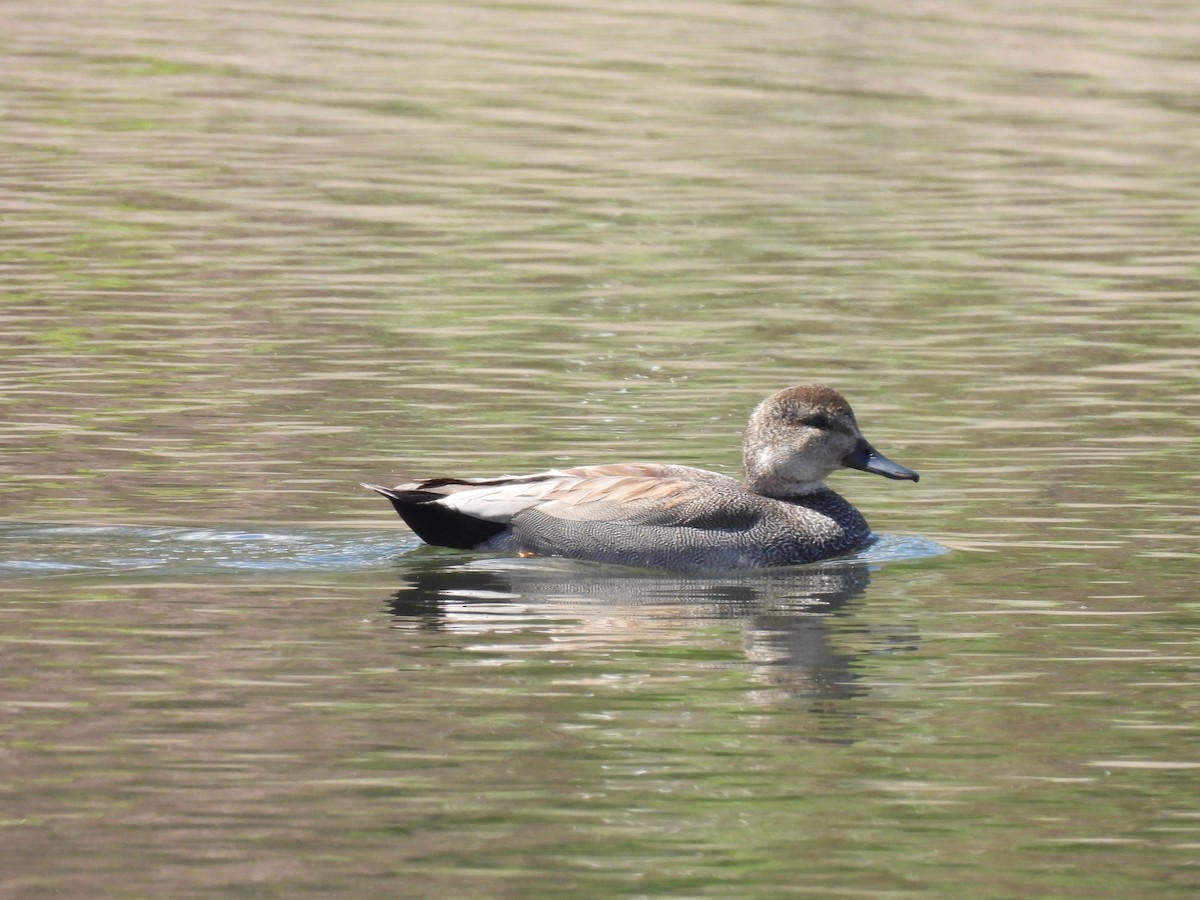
799,436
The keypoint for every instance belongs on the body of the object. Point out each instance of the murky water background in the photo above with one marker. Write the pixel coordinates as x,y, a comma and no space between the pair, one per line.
252,254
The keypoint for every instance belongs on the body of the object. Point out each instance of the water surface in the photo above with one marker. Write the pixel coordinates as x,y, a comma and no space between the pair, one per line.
251,255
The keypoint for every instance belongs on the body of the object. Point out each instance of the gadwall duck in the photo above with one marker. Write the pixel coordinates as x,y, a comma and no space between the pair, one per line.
672,517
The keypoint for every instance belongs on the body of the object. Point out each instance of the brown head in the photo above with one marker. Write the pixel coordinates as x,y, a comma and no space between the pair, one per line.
799,436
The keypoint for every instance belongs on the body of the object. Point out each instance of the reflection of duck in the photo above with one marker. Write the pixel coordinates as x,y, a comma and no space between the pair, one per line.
785,613
672,517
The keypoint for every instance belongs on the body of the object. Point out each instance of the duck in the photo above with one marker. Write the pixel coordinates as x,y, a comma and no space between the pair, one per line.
673,517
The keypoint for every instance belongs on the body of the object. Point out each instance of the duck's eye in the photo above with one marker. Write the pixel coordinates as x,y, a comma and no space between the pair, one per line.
816,420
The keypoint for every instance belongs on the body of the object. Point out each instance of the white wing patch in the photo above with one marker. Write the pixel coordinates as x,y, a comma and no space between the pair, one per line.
500,502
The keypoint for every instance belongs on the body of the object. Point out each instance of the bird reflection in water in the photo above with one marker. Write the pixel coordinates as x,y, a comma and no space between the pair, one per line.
793,620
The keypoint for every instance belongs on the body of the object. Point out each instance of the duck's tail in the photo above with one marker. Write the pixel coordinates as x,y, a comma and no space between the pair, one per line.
435,523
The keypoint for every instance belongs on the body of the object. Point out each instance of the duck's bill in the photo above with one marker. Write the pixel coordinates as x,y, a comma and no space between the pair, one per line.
868,459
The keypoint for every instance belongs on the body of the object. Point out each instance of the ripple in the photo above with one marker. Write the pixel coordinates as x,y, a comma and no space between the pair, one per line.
39,550
32,550
888,548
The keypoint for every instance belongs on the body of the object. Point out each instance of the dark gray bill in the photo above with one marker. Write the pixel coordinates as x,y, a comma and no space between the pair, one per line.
867,458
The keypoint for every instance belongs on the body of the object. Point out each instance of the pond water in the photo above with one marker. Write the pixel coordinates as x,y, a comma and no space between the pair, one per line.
252,254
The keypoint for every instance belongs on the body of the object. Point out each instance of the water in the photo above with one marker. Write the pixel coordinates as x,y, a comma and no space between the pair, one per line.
251,255
46,550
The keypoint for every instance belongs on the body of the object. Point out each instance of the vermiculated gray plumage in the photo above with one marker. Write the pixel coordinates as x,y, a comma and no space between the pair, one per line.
723,531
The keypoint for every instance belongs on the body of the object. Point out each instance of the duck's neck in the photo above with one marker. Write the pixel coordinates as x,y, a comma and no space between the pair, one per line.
774,470
771,485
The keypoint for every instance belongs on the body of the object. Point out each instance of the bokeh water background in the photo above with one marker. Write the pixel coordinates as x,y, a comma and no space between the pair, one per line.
252,253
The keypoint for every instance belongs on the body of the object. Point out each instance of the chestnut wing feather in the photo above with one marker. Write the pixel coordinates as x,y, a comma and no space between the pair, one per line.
720,503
